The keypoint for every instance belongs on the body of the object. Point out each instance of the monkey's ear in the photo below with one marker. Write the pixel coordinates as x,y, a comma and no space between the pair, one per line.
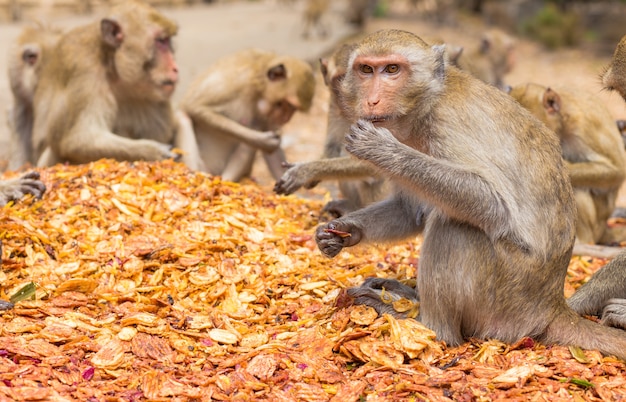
276,73
112,34
551,101
440,68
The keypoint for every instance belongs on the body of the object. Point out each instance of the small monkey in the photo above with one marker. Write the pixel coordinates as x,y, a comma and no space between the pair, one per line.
593,151
25,58
14,189
499,227
106,92
492,60
239,104
614,75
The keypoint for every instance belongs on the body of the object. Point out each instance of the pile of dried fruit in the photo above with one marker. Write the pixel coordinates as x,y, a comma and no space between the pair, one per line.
156,283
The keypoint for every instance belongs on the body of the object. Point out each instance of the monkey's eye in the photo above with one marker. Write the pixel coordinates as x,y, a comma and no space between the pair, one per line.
392,68
365,69
164,43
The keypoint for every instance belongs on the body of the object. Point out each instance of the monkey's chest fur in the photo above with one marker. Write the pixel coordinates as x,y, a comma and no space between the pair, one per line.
145,120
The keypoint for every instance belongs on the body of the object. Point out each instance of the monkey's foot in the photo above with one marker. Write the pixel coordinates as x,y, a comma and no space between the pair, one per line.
387,296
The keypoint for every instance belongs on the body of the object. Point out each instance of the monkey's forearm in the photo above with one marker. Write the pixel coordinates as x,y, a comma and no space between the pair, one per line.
219,123
595,175
433,180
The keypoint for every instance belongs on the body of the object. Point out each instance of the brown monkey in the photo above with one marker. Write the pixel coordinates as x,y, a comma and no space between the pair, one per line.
500,224
593,151
614,75
106,93
240,103
492,60
24,65
314,11
358,181
14,189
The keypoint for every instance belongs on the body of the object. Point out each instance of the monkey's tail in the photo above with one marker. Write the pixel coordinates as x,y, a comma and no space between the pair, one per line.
570,329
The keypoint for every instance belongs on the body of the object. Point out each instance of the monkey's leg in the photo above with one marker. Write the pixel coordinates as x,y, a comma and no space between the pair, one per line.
239,164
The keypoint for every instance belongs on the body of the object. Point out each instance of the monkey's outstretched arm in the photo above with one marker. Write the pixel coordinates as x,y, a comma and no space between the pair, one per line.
461,193
392,219
308,174
595,174
266,141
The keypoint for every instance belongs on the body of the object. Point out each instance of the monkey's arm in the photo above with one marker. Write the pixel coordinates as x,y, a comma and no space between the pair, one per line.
308,174
266,141
14,189
433,180
595,174
392,219
185,140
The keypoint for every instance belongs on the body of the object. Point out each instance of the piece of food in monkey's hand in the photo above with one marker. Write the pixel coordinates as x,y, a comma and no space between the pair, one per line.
339,233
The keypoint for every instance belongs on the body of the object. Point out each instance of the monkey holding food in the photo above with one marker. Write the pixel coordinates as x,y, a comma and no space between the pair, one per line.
238,106
500,223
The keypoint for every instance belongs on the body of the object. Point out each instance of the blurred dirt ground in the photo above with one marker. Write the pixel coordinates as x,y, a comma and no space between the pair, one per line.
208,31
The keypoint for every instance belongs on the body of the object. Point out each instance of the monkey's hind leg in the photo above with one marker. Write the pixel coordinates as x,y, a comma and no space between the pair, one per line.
387,296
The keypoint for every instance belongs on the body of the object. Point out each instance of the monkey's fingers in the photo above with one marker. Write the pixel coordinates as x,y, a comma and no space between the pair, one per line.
34,175
614,313
34,187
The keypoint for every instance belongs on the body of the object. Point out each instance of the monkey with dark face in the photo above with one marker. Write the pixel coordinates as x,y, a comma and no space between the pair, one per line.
238,106
500,225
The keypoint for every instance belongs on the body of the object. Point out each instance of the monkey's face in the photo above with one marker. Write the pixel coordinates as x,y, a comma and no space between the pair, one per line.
276,114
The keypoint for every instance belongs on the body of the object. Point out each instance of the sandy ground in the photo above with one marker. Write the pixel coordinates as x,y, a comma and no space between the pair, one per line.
210,31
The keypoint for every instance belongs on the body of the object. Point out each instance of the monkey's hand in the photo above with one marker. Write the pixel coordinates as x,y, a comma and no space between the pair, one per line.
266,141
614,313
14,189
296,177
367,142
332,237
156,151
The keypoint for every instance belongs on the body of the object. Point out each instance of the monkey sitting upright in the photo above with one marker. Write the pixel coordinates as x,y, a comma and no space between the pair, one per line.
238,106
593,151
500,226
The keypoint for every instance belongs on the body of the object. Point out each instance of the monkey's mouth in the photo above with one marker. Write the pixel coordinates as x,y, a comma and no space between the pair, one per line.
378,119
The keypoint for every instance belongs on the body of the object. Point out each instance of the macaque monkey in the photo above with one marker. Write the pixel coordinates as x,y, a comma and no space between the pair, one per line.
358,181
492,60
106,92
24,66
614,75
314,11
238,106
593,151
14,189
500,210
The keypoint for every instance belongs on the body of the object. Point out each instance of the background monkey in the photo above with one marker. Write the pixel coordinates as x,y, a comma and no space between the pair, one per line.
593,151
492,60
500,225
312,16
614,75
358,181
106,93
25,58
240,103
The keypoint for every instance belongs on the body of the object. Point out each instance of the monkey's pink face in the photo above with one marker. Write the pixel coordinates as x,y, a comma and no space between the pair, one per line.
164,70
380,80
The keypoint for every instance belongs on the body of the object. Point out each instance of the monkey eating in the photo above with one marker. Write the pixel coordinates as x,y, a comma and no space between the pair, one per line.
239,104
489,181
106,92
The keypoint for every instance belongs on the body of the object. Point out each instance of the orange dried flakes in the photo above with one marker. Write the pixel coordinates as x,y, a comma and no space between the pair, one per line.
156,283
